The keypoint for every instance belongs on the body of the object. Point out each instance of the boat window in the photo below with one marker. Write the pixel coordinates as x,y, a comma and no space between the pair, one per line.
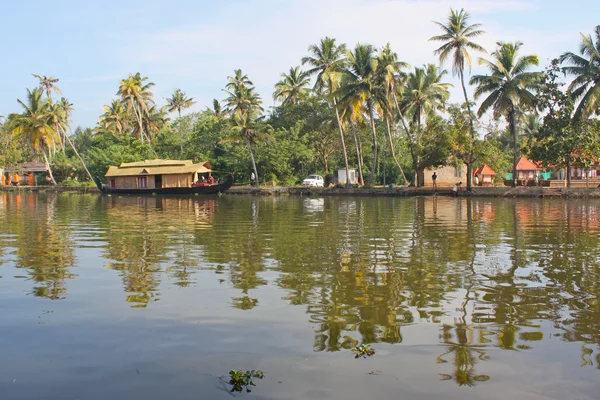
142,182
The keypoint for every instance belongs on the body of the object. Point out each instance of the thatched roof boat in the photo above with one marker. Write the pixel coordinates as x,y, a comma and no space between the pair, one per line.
162,177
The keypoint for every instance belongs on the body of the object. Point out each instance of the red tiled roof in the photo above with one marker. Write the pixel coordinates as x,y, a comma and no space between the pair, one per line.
526,165
485,170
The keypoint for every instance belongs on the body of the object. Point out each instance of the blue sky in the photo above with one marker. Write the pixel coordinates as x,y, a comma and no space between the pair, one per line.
195,45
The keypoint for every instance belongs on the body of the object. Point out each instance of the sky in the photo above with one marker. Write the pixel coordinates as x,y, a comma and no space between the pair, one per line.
194,45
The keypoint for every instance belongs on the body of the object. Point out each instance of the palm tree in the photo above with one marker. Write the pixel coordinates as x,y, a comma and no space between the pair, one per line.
179,101
457,38
358,90
243,105
217,109
388,73
35,124
115,118
59,114
292,87
509,86
135,93
585,88
47,84
422,94
457,43
154,121
327,60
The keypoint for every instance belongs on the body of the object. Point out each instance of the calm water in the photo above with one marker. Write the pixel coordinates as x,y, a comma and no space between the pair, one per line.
156,298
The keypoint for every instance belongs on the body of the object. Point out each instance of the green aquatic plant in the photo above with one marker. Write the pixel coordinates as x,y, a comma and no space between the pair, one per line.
363,350
240,380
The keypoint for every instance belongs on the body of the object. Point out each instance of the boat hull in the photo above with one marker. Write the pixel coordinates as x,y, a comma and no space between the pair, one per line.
199,190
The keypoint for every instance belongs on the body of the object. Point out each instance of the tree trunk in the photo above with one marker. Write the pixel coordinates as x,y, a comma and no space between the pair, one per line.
49,168
374,165
568,172
411,148
337,116
358,157
387,120
251,157
78,156
513,130
469,174
180,136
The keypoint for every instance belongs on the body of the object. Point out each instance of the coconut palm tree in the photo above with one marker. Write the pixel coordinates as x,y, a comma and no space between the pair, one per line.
136,94
359,90
292,87
177,102
327,60
457,38
115,118
509,86
154,121
35,124
388,73
48,84
424,92
457,41
59,114
585,88
243,105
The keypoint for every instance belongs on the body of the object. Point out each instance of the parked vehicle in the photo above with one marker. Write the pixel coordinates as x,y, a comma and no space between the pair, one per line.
313,180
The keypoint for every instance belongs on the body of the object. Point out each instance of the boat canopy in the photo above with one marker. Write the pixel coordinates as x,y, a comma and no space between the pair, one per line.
158,167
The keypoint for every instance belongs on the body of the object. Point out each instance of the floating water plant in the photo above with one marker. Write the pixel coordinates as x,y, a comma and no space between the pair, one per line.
240,380
363,350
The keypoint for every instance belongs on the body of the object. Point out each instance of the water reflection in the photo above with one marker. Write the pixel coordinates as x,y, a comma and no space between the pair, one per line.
489,274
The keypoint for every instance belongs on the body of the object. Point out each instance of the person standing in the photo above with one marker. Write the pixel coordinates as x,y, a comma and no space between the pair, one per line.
454,190
476,180
434,179
252,179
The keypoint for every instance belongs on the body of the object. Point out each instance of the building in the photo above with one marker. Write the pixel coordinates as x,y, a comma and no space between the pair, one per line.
485,175
446,176
527,169
153,174
352,177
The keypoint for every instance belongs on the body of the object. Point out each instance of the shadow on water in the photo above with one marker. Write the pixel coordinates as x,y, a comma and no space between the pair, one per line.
472,277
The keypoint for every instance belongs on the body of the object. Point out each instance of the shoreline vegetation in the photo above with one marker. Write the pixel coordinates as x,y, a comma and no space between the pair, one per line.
479,192
343,107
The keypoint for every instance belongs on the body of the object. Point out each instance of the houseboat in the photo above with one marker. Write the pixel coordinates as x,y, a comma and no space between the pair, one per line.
162,177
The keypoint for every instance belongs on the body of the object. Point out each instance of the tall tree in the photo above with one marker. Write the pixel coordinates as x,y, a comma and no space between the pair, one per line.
508,86
422,94
292,86
136,94
59,114
457,41
327,60
585,88
388,75
177,102
359,91
34,123
243,105
48,84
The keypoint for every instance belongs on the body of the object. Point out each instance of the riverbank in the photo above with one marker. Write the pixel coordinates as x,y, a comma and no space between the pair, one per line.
496,192
58,188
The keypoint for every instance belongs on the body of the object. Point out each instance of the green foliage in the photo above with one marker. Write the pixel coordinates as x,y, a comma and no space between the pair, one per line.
108,150
240,380
562,140
363,350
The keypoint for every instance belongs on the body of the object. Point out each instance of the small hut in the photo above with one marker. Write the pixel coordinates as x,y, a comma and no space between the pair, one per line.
485,175
153,174
527,171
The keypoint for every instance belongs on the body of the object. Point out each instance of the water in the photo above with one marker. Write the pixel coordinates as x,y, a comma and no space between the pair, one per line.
157,298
